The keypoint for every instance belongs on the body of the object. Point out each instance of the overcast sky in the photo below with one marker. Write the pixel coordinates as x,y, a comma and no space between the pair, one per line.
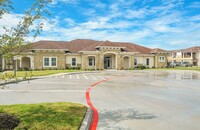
166,24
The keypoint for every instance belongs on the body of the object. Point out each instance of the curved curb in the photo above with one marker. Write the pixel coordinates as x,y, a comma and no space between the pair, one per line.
95,116
87,120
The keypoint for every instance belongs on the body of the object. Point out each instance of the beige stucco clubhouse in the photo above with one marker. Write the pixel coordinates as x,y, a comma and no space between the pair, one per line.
87,54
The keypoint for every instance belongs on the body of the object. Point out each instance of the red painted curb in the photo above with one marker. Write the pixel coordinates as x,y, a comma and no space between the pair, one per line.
94,123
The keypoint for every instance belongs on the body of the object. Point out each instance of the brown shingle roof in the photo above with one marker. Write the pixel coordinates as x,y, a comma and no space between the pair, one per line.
48,45
77,45
158,50
191,49
129,47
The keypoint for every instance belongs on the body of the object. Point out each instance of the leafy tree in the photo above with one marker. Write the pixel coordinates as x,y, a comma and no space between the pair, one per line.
5,7
12,41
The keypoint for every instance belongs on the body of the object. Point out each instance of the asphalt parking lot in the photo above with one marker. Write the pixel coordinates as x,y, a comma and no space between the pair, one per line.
132,100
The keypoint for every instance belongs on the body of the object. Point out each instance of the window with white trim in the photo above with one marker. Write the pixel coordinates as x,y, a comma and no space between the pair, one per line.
73,61
53,61
162,59
46,61
91,61
50,61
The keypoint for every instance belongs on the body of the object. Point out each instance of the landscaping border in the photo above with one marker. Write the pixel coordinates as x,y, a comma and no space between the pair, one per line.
87,120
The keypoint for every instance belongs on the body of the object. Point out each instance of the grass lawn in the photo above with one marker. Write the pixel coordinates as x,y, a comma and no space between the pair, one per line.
41,72
195,68
47,116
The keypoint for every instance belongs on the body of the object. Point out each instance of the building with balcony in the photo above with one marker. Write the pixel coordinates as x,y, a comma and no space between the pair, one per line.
191,55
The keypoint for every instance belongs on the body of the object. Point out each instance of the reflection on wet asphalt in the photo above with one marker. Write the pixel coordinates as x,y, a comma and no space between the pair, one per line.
110,119
153,100
179,75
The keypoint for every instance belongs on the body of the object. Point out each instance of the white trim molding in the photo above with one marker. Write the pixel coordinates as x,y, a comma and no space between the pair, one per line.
162,59
50,61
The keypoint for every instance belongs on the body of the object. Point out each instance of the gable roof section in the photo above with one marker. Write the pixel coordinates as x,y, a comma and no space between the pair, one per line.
129,47
77,45
158,50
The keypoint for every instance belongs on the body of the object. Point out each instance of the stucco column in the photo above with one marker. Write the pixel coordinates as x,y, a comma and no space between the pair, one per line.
119,60
20,63
102,61
84,60
191,55
32,62
116,60
97,61
132,62
156,61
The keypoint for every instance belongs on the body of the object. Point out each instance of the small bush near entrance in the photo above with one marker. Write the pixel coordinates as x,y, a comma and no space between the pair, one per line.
141,67
44,116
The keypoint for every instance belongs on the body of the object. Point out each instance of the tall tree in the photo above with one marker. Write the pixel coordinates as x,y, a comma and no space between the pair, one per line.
12,41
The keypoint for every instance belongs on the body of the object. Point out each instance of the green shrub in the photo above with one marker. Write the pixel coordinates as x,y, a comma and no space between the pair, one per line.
141,67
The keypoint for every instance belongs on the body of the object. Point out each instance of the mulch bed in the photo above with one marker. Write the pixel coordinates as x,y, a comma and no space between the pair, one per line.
8,122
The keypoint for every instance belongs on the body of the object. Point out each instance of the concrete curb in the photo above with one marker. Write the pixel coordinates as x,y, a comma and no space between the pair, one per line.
87,120
14,81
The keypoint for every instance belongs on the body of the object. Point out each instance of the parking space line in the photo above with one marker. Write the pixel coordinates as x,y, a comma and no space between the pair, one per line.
101,77
77,76
93,77
85,76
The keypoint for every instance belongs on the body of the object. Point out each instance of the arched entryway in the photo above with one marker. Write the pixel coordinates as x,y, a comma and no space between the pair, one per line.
110,60
26,63
126,62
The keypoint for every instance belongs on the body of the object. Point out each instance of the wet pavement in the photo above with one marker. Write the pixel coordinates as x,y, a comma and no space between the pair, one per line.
135,100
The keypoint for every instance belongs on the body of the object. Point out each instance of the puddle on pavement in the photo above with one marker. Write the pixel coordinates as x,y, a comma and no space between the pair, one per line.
170,75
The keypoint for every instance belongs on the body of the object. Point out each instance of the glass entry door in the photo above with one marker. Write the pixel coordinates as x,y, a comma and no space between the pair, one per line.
107,62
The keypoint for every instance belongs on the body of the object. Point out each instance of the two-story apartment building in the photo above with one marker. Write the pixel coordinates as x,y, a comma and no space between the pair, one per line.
191,55
87,54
